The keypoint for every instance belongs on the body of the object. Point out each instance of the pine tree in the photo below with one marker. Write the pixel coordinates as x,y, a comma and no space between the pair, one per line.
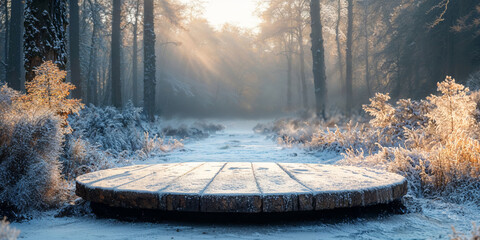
318,53
49,90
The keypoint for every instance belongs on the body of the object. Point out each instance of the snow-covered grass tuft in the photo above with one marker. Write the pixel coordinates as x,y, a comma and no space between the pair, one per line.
7,232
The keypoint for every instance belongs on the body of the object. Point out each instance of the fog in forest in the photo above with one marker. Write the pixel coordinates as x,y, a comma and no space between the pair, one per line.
206,69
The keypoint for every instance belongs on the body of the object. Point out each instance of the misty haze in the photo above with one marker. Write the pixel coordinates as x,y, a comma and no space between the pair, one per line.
239,119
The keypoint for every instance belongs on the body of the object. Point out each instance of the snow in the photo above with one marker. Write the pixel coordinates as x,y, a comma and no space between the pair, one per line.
239,144
433,219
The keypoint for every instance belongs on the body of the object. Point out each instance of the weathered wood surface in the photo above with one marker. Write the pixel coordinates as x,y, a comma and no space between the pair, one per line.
240,187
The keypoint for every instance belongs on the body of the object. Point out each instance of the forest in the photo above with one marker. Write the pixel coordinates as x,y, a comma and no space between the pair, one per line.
94,85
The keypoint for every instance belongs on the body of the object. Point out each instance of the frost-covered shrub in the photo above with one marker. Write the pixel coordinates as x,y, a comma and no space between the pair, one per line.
434,143
453,111
290,130
7,232
30,146
391,122
352,136
109,128
473,81
439,153
81,157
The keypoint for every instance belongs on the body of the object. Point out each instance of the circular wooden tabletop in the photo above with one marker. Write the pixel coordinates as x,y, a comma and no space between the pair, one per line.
243,187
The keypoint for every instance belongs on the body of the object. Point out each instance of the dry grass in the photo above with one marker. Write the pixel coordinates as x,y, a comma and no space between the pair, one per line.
434,142
475,235
7,232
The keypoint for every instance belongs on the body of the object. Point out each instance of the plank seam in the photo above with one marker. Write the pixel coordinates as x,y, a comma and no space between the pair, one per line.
208,184
301,183
262,197
256,180
173,180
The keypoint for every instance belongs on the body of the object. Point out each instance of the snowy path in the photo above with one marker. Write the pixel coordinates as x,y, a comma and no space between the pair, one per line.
238,143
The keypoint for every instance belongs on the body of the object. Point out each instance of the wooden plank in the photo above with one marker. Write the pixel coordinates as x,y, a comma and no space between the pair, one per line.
240,187
280,192
184,193
234,189
151,183
109,173
339,187
102,190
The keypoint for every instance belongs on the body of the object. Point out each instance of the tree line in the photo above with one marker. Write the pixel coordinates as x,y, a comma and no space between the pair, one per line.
357,48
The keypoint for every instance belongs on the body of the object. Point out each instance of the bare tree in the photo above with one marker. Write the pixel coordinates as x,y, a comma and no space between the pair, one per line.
74,35
135,55
14,60
116,90
149,59
349,60
318,54
5,46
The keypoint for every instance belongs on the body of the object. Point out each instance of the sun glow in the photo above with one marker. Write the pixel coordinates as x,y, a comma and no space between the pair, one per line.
237,12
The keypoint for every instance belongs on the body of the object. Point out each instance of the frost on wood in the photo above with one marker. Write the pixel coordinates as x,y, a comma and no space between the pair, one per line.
240,187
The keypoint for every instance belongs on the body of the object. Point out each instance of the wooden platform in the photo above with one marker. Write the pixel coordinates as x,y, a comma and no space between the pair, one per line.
241,187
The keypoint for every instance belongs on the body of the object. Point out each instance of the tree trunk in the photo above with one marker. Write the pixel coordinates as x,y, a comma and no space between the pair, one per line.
289,80
318,55
116,61
367,46
302,70
349,62
75,49
44,35
135,57
14,59
92,91
149,59
45,38
5,46
339,48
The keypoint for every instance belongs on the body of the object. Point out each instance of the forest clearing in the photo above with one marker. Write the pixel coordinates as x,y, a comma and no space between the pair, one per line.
229,119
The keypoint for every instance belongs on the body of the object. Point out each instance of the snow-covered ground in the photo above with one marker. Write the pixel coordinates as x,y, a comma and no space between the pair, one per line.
433,219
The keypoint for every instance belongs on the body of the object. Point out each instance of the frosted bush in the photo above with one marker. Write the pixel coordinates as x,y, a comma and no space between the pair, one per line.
437,148
454,110
81,157
109,129
7,232
473,81
30,146
434,142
